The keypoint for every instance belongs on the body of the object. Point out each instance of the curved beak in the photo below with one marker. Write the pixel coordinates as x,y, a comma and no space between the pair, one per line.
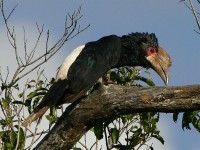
161,62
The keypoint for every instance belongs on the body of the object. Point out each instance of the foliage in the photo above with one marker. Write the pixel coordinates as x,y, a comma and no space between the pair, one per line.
19,95
135,129
13,135
189,118
129,76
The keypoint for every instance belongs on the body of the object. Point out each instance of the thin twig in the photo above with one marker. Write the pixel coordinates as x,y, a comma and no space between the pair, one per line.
18,134
105,133
28,63
7,75
83,145
36,43
39,133
1,77
195,14
12,11
11,34
52,51
47,41
25,44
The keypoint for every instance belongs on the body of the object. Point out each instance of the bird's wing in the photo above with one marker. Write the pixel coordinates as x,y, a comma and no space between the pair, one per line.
92,63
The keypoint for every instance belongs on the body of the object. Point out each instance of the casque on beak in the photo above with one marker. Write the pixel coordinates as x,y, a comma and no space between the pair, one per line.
161,62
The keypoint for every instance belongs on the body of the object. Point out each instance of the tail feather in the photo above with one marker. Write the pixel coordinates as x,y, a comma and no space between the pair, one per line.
34,116
53,96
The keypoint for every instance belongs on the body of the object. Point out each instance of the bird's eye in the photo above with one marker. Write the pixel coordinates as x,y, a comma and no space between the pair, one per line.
151,50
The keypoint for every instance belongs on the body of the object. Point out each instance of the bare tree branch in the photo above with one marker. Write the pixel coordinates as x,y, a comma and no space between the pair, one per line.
118,100
195,14
71,30
26,64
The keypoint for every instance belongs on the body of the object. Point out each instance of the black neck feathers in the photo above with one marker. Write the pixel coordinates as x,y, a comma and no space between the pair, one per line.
134,48
133,40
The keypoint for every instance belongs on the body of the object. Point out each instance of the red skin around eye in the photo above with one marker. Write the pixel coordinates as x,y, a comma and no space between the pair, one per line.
151,51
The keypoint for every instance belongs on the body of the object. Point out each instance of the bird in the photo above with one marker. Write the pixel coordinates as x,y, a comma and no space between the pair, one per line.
83,67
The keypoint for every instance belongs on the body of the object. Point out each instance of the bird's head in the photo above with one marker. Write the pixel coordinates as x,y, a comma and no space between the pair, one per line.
143,50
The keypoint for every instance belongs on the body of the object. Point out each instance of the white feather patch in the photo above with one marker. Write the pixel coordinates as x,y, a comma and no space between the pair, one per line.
63,70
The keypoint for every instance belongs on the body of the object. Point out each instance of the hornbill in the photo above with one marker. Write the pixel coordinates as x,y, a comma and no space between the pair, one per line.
87,63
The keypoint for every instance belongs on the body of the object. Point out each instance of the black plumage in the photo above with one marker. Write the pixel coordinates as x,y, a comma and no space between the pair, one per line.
94,60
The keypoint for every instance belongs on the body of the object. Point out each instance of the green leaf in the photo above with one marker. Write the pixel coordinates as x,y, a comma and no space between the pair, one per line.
18,102
126,118
137,133
27,102
20,95
40,83
2,133
21,134
32,81
16,86
49,118
114,135
77,148
98,131
53,111
115,77
145,80
36,101
52,119
22,138
32,94
158,137
133,73
3,86
187,119
8,145
3,122
9,120
13,137
6,102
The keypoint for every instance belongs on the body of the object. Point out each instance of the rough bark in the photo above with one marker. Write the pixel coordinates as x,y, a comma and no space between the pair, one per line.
115,101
